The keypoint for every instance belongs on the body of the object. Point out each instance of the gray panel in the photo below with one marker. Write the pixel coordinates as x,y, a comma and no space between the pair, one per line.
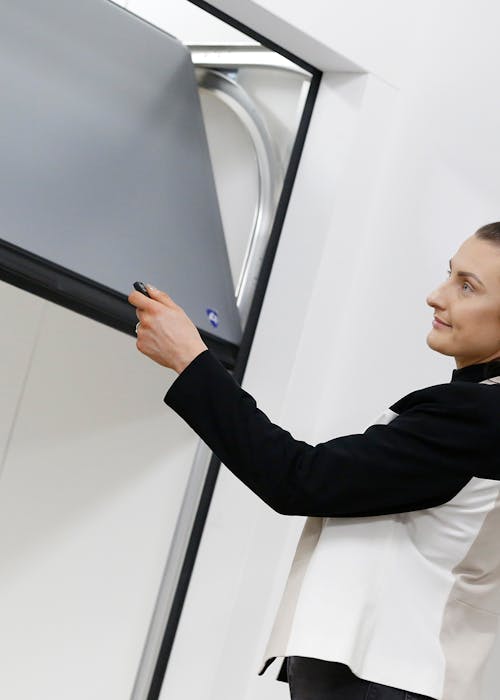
104,163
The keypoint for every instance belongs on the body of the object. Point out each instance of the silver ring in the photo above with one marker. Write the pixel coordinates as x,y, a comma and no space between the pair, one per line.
137,326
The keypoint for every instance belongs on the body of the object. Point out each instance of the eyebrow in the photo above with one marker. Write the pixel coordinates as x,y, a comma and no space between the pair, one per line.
461,273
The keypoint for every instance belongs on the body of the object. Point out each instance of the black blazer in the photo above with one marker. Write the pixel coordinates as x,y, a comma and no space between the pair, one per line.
442,436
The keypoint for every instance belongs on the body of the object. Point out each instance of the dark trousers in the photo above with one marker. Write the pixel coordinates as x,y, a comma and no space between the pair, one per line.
313,679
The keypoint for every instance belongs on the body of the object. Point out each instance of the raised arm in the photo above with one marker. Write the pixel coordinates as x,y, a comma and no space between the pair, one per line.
423,458
442,436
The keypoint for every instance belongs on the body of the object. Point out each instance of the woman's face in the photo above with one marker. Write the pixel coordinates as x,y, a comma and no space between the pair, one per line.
466,306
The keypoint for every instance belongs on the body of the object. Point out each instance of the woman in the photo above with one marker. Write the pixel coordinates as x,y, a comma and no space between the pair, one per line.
394,592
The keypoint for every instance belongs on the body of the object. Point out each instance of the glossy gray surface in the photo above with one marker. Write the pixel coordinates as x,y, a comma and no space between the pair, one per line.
104,163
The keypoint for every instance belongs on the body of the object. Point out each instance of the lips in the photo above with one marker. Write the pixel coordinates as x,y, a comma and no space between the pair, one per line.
438,320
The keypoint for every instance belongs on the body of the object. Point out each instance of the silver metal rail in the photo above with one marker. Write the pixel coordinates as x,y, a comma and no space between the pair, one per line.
270,175
172,571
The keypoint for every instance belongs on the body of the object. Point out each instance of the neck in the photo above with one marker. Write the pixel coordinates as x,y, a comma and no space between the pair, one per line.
465,362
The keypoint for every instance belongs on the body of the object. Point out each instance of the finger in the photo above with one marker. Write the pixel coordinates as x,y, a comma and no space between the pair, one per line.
139,300
160,296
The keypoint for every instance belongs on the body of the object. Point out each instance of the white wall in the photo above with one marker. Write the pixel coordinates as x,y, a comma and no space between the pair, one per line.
92,477
398,169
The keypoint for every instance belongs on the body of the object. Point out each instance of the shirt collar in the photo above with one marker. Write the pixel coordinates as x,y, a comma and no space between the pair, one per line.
476,373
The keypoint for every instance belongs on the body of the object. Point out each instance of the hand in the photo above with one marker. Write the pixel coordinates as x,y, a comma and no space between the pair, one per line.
166,334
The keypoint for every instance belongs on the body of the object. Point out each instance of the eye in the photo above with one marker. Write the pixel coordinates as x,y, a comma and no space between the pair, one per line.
448,273
466,287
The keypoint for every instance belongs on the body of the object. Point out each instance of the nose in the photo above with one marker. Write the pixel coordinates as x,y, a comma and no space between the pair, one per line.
436,298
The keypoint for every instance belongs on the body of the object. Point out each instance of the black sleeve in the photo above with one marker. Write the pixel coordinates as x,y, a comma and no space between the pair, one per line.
422,458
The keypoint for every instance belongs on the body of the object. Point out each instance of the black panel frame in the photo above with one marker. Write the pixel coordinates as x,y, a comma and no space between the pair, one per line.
87,297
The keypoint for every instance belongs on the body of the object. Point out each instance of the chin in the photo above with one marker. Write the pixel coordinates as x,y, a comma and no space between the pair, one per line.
437,344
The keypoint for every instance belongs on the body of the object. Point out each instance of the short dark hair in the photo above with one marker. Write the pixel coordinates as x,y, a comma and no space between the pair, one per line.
490,232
